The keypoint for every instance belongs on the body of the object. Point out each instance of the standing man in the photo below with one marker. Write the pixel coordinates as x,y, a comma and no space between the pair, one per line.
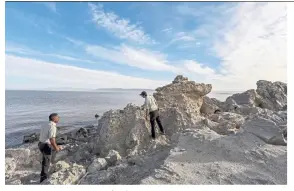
47,142
152,108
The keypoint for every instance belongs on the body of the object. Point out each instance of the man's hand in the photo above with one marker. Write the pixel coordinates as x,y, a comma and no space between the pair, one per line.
54,145
59,148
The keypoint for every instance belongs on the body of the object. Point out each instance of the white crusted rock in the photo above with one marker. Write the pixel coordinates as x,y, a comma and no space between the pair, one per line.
59,166
210,105
10,165
113,157
20,155
66,176
263,128
274,95
97,164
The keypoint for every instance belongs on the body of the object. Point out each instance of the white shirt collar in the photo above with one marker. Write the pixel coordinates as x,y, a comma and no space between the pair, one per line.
52,123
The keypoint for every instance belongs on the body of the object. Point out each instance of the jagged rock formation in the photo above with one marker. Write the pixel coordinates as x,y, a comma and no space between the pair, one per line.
268,95
210,105
274,95
239,141
127,131
183,94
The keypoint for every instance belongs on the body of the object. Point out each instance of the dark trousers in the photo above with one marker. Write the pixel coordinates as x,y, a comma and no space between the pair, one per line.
46,157
154,116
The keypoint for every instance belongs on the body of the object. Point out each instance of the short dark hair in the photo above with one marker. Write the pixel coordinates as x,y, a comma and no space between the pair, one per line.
52,115
143,93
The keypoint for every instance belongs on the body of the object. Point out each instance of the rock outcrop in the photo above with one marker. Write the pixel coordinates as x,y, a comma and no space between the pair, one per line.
183,94
68,174
268,95
249,97
127,131
31,138
274,95
210,106
265,129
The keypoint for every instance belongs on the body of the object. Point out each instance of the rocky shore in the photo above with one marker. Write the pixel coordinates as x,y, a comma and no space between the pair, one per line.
242,140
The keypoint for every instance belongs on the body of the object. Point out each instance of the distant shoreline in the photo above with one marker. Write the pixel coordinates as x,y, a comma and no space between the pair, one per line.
80,90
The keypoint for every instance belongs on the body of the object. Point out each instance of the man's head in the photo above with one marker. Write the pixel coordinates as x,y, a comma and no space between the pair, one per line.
143,94
54,117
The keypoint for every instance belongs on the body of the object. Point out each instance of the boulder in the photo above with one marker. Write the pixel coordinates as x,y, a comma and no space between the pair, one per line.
277,140
179,79
225,123
113,157
10,165
210,105
102,177
228,116
230,105
31,138
59,156
59,166
264,129
211,124
226,128
97,164
122,131
62,139
66,176
13,182
82,132
250,97
20,155
248,110
186,96
274,95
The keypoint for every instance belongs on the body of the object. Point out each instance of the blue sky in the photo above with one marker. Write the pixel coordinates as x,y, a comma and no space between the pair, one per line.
143,44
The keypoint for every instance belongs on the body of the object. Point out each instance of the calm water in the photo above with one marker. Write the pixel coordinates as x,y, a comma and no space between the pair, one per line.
28,111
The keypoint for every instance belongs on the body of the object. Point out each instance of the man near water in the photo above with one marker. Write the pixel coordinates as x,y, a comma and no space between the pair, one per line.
152,108
46,143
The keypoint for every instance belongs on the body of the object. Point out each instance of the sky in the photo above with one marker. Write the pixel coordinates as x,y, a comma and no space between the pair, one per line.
90,45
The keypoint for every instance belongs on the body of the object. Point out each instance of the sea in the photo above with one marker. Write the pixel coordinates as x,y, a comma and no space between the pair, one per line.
27,111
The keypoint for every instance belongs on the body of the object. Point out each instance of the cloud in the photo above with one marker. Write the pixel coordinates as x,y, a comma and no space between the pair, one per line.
51,6
182,36
139,58
252,44
20,49
120,27
249,39
58,75
198,68
182,40
75,42
167,30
